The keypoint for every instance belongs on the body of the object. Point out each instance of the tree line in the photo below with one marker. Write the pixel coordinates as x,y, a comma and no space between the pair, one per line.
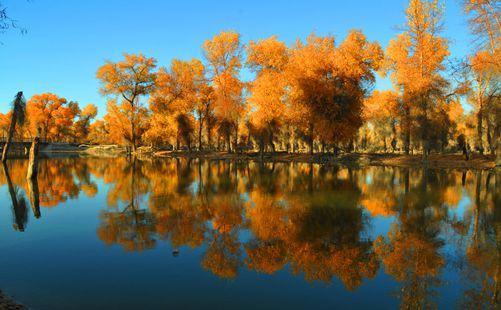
314,95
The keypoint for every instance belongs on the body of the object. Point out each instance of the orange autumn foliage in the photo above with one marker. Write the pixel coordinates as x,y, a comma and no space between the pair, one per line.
51,114
129,79
224,61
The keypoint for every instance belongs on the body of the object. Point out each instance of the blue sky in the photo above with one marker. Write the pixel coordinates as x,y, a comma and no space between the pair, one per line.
67,40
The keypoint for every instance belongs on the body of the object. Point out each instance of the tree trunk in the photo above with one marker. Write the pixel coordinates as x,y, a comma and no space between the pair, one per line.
365,140
498,145
133,123
425,137
45,133
497,134
426,147
235,143
270,138
209,136
407,129
200,134
489,137
480,113
33,160
261,147
465,152
311,139
228,140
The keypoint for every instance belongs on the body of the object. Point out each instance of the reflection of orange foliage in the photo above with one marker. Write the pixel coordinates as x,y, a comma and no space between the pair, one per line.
409,253
132,229
306,217
180,220
222,256
452,196
267,217
90,190
269,257
350,265
378,203
58,180
226,214
378,207
56,185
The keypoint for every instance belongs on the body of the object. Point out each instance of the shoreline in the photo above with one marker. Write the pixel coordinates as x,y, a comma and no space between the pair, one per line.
483,162
8,303
355,160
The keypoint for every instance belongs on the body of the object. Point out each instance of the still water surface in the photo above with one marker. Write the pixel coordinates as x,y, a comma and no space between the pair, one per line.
180,234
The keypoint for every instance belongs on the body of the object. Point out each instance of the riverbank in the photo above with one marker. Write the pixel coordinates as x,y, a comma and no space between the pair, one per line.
7,303
476,161
352,159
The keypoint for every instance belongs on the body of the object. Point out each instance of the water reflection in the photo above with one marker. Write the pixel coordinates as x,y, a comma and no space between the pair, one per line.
318,222
18,202
411,250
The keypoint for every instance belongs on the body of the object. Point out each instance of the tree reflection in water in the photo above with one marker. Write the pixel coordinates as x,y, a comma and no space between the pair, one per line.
482,266
316,221
128,225
18,201
411,251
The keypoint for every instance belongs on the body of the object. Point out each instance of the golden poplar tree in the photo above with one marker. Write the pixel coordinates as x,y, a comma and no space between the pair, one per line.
268,58
129,80
416,59
173,101
223,54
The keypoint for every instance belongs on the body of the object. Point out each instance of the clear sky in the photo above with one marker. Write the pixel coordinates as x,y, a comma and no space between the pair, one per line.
67,40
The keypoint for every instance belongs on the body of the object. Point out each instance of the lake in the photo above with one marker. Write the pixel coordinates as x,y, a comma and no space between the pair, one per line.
195,234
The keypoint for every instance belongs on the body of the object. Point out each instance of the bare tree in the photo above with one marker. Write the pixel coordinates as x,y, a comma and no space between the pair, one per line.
18,117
